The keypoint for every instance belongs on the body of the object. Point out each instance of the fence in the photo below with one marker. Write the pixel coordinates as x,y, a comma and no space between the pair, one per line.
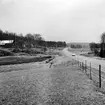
94,74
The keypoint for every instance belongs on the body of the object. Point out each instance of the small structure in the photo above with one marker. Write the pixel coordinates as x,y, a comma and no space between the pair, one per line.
3,42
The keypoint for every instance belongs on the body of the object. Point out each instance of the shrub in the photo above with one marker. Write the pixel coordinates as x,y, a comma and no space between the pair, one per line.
5,53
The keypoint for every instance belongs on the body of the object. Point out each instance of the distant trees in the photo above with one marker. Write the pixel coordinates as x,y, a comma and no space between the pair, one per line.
29,40
29,36
38,37
102,44
95,48
76,46
34,36
55,44
99,48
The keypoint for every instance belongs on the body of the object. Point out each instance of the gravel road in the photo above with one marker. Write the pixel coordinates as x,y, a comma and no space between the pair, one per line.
58,85
94,62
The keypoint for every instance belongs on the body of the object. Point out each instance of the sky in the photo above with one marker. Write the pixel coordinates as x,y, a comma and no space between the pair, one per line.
55,20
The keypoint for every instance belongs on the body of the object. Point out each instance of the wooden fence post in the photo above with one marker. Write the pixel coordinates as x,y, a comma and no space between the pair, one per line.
90,71
85,65
50,64
78,63
99,76
82,66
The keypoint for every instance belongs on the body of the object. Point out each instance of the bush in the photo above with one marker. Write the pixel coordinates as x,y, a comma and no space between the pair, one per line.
5,53
96,52
102,53
32,51
16,50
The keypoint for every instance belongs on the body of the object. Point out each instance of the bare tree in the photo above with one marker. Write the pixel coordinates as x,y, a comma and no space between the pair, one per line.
30,36
103,37
37,37
103,44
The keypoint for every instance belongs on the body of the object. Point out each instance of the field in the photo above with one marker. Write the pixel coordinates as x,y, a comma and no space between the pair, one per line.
21,59
37,84
79,50
26,55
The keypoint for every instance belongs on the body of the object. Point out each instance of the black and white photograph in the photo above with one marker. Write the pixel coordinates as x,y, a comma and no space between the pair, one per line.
52,52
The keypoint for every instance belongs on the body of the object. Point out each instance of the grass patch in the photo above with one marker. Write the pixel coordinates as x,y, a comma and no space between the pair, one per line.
21,59
5,52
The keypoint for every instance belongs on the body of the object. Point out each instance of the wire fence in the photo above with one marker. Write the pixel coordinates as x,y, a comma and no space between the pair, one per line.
94,74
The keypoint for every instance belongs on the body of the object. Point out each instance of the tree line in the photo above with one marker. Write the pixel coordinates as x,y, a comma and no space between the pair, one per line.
99,48
76,46
28,41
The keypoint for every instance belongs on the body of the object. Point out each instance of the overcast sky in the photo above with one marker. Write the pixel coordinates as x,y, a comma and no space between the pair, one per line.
68,20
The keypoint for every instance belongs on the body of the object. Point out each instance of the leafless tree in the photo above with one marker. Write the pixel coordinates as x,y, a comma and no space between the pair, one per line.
103,38
103,44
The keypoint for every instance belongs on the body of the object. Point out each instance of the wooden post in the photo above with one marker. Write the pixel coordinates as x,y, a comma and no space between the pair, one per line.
99,76
85,65
50,64
80,65
72,62
90,72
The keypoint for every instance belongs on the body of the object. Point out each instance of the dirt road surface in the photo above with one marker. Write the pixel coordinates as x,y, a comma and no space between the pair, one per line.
62,84
94,62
